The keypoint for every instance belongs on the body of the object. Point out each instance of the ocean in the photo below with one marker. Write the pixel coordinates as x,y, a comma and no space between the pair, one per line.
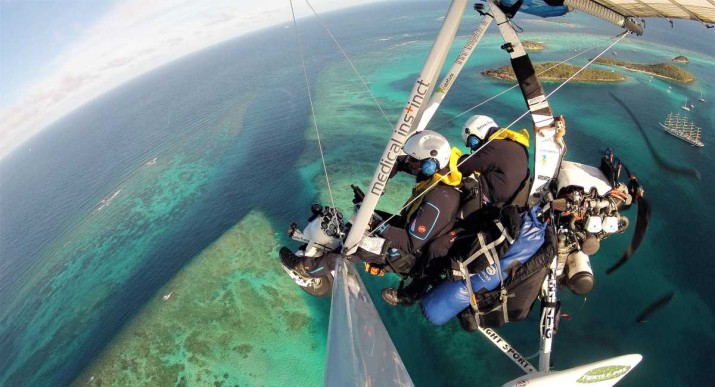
139,234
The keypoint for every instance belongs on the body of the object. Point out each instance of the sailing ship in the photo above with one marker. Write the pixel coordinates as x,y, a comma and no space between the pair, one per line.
680,127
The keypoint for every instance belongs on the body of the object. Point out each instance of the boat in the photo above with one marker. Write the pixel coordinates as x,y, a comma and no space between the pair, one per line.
106,201
359,348
701,97
668,89
680,127
685,106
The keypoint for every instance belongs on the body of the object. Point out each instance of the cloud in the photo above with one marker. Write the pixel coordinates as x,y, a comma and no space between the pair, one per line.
132,38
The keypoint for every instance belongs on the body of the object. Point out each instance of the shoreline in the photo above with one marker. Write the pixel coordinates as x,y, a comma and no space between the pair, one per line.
648,73
660,70
545,79
560,73
551,79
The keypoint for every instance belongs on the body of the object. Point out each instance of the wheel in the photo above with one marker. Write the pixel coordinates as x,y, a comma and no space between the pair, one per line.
320,287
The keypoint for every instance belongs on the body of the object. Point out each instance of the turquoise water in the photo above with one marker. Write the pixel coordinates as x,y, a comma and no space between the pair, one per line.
182,182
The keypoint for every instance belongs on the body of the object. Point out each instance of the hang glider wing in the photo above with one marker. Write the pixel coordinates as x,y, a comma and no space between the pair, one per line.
624,13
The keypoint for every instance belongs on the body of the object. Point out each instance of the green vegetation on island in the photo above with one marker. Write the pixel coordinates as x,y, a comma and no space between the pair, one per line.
532,46
680,59
667,71
559,73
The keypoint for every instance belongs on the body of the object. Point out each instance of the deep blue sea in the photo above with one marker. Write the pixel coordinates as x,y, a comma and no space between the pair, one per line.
139,234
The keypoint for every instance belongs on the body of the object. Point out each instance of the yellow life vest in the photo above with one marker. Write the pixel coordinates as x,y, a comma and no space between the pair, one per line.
521,137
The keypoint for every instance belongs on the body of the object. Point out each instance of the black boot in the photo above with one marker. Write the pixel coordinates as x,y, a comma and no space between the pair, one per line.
396,297
293,262
467,320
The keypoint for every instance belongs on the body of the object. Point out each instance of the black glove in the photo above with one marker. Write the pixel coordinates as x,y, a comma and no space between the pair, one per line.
358,195
377,224
406,164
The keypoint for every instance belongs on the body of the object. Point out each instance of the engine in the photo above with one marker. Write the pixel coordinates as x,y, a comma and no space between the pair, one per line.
323,232
586,206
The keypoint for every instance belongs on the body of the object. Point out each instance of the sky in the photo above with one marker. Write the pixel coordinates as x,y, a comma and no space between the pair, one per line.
56,55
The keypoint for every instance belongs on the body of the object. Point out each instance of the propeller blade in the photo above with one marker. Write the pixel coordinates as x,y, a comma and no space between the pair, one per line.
628,171
635,188
663,163
657,304
642,223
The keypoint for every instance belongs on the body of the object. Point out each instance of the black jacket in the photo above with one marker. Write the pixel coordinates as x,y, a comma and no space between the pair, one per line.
434,217
503,165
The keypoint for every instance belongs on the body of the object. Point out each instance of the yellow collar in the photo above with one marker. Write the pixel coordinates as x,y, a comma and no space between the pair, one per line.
455,177
521,137
452,179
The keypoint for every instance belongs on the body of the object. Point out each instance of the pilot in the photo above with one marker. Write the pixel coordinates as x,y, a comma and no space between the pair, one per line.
431,212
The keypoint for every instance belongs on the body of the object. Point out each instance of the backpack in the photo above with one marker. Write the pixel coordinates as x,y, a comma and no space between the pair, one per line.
520,290
504,285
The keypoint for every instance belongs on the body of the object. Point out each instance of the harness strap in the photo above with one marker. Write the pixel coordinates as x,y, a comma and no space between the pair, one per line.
468,282
499,306
503,294
503,231
504,297
489,250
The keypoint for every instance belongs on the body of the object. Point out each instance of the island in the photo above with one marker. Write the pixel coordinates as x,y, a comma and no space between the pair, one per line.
667,71
680,59
532,46
559,73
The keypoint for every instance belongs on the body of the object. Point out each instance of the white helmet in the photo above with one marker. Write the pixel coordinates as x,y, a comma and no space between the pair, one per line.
476,130
431,148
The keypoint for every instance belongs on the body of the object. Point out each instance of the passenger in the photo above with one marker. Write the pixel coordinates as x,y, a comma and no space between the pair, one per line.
495,174
500,160
428,157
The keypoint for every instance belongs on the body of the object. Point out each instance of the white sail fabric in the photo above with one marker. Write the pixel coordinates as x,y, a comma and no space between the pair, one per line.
700,10
360,351
616,11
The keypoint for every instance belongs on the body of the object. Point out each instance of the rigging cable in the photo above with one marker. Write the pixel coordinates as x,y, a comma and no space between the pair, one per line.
622,35
312,109
374,99
514,86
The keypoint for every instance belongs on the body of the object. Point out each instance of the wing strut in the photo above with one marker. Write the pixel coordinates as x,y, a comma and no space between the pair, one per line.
404,127
549,146
453,72
360,351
